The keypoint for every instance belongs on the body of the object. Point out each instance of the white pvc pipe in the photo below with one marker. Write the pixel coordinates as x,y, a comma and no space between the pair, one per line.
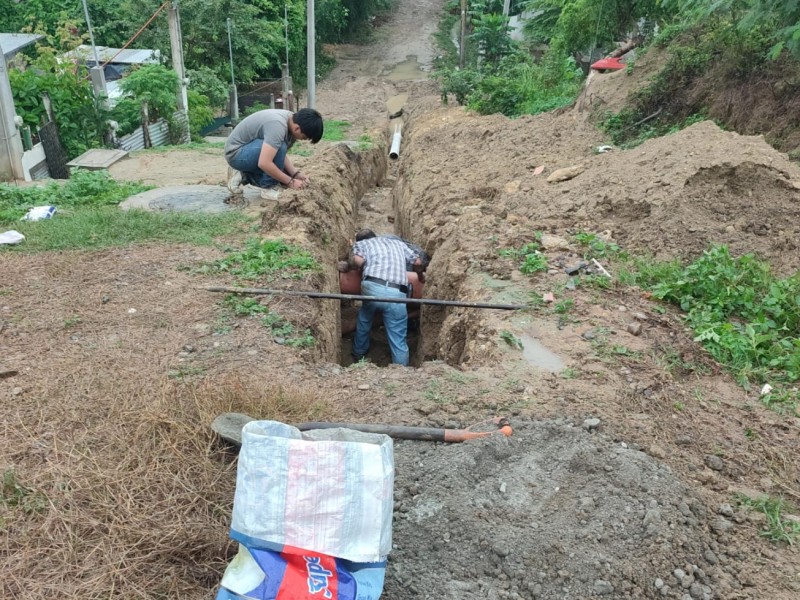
394,150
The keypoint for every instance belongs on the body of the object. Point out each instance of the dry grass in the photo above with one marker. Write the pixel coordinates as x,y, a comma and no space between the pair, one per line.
137,503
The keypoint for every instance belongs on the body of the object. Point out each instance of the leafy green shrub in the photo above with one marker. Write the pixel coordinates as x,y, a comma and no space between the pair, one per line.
200,114
154,84
747,318
80,119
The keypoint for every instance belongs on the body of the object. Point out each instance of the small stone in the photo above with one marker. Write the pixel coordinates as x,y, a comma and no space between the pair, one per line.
16,391
105,299
279,340
710,557
588,335
603,588
634,328
640,316
714,462
725,510
503,488
131,311
659,584
591,424
188,348
501,551
696,591
657,451
679,574
363,386
565,174
721,525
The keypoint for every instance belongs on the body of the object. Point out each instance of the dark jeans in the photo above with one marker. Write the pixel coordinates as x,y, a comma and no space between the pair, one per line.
246,161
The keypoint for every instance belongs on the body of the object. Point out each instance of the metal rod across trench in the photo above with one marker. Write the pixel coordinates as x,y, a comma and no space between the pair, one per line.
431,301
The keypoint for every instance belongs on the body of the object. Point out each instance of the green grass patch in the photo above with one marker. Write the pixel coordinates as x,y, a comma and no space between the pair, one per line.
777,528
334,131
83,189
269,259
106,227
15,495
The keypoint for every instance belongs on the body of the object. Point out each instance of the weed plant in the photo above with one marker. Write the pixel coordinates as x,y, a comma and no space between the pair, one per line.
777,528
530,257
268,259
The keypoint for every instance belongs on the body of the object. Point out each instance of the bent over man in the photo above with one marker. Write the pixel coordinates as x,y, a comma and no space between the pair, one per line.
256,149
383,265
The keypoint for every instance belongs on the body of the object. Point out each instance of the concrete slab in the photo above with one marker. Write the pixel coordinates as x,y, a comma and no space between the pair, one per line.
97,158
191,198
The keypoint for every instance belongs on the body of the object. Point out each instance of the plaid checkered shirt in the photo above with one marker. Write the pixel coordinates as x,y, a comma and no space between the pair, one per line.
385,258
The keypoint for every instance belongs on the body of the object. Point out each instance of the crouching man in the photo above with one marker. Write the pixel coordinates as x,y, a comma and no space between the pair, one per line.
256,150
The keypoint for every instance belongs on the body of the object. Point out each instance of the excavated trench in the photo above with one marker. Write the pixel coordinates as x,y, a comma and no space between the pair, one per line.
376,206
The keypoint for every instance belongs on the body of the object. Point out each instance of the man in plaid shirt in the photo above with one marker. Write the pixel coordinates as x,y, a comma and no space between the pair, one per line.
383,262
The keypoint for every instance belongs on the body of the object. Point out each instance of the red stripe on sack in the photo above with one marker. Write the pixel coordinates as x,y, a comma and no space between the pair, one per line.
309,577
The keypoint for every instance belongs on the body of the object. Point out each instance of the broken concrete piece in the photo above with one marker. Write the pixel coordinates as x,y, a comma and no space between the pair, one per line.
565,174
553,242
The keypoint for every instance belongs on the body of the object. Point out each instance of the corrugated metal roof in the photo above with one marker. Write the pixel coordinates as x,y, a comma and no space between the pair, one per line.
11,43
126,57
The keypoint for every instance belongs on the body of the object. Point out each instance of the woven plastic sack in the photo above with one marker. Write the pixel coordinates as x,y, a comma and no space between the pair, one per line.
327,492
264,575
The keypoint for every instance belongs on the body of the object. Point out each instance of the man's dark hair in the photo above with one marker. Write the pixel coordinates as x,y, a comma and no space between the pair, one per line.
365,234
310,123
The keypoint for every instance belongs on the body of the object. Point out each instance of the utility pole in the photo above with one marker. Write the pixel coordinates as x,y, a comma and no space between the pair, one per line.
233,97
176,44
11,145
506,7
311,49
462,46
96,73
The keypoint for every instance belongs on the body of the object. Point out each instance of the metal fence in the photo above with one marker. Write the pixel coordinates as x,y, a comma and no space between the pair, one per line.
159,134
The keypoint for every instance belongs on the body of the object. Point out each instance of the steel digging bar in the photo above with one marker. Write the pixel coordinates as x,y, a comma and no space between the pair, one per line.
430,301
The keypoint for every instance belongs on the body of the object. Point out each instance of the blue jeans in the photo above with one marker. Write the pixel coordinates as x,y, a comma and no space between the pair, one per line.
246,161
395,320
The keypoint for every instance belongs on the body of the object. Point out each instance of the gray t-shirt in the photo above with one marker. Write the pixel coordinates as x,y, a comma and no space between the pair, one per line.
271,126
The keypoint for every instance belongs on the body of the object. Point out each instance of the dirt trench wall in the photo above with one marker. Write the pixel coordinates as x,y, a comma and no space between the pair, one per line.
321,218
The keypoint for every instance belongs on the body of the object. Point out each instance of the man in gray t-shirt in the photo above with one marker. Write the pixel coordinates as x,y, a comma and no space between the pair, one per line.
256,148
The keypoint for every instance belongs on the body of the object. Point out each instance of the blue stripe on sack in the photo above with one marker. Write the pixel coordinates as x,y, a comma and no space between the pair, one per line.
255,543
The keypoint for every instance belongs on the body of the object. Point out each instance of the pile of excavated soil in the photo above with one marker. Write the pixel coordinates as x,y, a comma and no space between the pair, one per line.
555,511
671,197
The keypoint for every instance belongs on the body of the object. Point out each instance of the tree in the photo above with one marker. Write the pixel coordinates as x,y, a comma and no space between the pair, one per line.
780,17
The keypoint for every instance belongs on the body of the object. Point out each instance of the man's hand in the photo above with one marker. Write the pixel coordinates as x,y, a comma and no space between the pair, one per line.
297,184
343,266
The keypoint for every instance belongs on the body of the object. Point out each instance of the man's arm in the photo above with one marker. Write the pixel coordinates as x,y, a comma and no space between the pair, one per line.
266,162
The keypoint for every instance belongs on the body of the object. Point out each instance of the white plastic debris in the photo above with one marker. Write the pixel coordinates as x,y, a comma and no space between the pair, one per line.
11,237
766,389
604,149
38,213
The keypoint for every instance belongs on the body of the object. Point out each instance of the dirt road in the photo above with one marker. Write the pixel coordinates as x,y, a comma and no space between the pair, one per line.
630,443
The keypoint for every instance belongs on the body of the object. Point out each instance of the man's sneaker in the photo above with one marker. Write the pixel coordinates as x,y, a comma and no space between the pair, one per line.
270,193
234,181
